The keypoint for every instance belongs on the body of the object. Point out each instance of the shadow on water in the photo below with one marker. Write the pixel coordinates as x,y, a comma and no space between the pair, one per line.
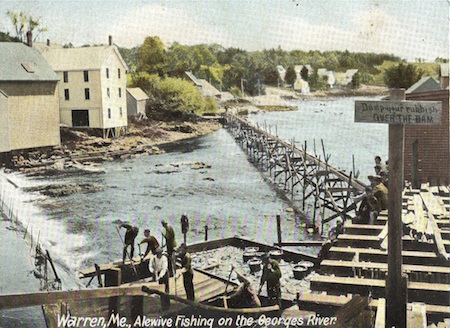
185,146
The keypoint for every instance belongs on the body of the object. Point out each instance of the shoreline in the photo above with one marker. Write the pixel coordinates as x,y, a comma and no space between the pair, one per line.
81,152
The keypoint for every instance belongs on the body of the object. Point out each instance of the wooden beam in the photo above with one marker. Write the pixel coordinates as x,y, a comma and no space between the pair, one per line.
9,301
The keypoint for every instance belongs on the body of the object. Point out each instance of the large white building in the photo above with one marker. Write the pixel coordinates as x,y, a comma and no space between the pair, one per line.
92,87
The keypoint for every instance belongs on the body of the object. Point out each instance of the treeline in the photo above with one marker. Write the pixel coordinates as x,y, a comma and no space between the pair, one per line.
233,68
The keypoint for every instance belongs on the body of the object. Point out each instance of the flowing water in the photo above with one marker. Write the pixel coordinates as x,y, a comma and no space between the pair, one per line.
208,178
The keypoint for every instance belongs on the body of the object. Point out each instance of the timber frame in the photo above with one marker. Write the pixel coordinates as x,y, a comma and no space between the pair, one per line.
295,171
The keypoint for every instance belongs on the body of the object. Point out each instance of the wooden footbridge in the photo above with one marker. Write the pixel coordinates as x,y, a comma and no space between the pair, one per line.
329,190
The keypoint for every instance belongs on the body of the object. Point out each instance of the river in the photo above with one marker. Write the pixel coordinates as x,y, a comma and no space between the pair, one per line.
208,178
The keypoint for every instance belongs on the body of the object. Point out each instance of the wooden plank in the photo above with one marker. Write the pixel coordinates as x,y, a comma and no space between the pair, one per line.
430,293
438,239
417,317
433,206
349,268
381,313
9,301
378,255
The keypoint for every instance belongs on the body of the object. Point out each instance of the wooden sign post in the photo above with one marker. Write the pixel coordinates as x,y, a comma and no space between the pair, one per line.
396,112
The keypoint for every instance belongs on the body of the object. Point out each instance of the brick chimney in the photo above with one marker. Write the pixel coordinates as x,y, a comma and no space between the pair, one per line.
110,40
29,38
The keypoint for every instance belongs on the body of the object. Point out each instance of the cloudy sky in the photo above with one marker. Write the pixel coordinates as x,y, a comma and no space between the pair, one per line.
406,28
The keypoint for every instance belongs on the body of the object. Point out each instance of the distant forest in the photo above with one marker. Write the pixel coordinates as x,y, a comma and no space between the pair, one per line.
230,68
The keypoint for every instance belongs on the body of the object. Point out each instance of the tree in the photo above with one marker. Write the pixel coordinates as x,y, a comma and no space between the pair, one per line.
152,56
402,76
19,20
304,73
22,21
172,98
356,81
291,75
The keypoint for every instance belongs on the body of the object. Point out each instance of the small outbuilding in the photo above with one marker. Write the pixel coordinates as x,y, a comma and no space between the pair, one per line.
136,102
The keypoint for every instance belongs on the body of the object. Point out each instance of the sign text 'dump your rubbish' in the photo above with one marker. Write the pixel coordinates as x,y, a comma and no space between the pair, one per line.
398,112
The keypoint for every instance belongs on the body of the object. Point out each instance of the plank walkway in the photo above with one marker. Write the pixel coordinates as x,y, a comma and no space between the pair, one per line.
356,264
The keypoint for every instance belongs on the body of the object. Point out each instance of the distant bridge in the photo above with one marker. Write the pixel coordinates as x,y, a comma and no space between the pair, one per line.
329,190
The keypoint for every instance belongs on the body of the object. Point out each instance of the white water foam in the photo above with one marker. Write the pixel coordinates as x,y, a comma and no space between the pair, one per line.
64,248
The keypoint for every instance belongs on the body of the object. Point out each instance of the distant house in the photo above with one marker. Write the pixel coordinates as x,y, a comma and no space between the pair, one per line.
206,89
302,86
92,88
340,79
424,84
136,102
29,115
329,75
281,72
349,75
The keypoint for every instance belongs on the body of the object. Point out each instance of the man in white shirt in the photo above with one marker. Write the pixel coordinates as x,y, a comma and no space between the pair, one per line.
159,265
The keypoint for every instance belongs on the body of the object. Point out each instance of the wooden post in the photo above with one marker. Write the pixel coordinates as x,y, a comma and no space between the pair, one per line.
206,233
279,229
395,288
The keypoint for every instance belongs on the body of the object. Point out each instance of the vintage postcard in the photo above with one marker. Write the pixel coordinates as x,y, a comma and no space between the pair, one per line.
224,163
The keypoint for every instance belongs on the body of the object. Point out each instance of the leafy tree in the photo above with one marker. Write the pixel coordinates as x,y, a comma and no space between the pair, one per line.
356,81
291,75
304,73
172,98
23,22
402,76
152,56
131,57
19,20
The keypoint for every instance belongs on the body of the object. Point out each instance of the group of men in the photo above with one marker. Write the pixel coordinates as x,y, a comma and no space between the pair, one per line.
375,198
163,263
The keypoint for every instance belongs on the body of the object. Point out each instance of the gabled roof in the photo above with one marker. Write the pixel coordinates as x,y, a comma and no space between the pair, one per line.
351,72
192,77
78,59
424,84
208,90
137,93
22,63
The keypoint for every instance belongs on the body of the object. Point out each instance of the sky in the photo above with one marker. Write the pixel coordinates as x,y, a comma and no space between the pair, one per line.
409,29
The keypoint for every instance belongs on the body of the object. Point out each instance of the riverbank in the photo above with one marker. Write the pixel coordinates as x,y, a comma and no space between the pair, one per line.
81,151
363,91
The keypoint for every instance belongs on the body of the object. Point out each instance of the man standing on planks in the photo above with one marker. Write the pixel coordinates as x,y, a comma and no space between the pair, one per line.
187,272
130,236
271,274
169,235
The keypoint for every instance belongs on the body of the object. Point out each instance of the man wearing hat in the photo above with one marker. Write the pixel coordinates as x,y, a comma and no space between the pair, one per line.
271,274
169,235
152,243
159,267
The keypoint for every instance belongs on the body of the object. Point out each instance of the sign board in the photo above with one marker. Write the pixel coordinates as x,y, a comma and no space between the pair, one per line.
398,112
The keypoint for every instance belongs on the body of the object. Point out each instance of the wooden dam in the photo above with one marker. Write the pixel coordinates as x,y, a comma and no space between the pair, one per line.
329,190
